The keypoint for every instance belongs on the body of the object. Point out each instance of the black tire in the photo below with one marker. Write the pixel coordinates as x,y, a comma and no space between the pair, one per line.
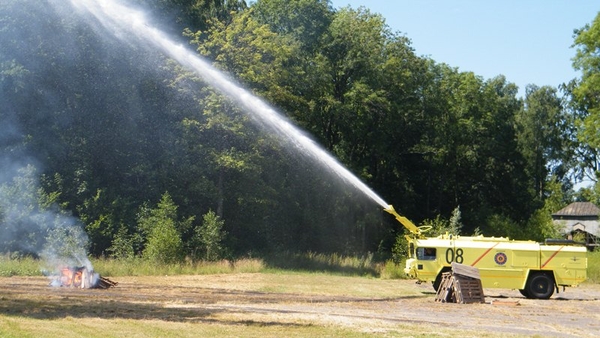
438,279
540,286
437,282
524,293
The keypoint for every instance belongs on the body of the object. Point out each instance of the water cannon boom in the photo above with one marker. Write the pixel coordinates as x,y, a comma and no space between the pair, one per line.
403,220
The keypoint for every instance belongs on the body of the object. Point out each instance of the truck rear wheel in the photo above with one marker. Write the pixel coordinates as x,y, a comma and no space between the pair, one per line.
540,285
524,293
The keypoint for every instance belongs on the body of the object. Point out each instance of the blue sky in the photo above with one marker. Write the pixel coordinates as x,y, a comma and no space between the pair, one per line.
528,41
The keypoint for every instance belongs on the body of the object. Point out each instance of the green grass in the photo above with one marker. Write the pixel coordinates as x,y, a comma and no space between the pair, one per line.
19,266
141,267
104,328
391,270
593,271
308,262
330,263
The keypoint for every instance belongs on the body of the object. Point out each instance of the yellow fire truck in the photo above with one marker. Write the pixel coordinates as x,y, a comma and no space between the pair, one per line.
533,268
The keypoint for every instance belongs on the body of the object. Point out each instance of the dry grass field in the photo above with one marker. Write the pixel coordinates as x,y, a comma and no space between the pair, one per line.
278,305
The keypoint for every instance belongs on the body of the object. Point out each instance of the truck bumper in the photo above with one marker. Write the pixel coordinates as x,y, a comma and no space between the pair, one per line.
411,269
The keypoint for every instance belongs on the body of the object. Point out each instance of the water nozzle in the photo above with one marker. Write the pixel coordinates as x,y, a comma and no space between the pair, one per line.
390,209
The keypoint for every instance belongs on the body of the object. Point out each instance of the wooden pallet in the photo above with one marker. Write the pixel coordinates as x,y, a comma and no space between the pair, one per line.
445,291
461,285
468,290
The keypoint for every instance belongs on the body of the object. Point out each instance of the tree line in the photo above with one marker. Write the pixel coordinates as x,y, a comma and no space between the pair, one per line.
153,161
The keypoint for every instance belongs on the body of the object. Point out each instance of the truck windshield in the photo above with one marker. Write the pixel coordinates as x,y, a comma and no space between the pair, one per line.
426,254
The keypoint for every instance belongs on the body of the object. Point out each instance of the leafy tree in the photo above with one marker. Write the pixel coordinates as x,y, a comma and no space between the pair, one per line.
305,20
24,220
195,14
585,102
503,226
587,61
164,244
123,245
543,132
541,226
474,159
440,226
210,237
354,52
586,158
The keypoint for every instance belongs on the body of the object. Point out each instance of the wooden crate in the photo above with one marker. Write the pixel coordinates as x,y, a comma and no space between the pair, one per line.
461,285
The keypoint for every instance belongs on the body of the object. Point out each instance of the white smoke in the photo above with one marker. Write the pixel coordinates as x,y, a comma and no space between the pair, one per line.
32,225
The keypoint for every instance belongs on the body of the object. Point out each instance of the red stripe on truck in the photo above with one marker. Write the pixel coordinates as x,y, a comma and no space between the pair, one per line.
485,253
551,257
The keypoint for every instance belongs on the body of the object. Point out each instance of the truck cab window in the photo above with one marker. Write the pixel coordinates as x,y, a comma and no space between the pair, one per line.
426,254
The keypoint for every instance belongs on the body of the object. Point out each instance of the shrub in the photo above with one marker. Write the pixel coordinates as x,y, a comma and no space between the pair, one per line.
209,237
164,244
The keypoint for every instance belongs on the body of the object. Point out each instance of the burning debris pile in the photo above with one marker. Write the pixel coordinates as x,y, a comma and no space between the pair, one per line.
81,277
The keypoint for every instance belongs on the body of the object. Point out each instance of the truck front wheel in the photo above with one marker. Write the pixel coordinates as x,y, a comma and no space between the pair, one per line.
438,279
540,286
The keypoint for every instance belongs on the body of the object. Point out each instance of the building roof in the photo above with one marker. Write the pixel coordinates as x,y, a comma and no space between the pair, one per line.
578,209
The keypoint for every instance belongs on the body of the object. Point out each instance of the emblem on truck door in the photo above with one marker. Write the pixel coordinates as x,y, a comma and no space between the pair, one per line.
500,258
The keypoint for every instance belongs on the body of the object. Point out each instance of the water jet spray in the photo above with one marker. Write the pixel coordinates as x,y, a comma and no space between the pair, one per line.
123,21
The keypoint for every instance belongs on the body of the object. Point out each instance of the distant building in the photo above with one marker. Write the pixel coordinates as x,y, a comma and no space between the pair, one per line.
580,218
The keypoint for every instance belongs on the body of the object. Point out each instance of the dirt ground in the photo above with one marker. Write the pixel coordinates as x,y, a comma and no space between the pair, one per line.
249,298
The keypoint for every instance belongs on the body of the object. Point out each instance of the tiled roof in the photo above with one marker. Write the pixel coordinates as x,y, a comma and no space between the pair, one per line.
579,209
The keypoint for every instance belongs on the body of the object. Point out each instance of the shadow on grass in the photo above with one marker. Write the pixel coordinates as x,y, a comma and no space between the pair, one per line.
63,307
